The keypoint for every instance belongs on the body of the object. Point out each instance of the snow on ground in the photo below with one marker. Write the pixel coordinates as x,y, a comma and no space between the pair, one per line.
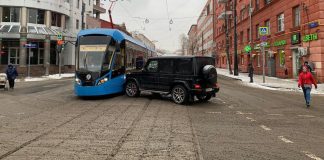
45,78
272,83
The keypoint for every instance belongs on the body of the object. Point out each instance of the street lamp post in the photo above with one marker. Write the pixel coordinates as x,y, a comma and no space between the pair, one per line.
227,41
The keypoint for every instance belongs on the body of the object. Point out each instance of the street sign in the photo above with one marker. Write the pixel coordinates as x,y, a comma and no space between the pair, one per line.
263,44
60,42
264,38
59,36
30,45
263,31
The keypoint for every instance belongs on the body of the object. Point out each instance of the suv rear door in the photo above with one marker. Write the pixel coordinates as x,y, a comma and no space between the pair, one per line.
166,74
149,77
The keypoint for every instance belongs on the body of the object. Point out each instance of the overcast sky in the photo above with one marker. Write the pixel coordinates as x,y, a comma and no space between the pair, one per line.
184,13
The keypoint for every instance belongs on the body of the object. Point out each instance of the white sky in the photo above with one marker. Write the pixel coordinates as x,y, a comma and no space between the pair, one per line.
184,13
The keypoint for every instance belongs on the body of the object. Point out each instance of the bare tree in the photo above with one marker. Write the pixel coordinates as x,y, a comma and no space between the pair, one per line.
184,43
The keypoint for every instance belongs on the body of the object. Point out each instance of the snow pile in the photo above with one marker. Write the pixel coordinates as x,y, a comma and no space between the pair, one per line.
272,83
50,77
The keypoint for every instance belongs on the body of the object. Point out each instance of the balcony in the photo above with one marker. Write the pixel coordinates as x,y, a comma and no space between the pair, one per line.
222,15
99,9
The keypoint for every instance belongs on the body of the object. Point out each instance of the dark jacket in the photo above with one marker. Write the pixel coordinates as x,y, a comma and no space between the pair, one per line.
11,72
250,70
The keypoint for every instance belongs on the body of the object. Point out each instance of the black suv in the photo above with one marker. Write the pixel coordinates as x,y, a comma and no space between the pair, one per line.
184,77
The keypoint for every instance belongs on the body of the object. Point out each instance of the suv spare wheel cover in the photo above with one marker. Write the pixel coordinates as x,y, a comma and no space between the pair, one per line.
210,73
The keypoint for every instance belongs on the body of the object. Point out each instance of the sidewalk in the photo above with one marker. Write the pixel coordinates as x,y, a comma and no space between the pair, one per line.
272,83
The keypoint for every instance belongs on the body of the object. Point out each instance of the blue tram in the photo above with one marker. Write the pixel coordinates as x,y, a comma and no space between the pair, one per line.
103,56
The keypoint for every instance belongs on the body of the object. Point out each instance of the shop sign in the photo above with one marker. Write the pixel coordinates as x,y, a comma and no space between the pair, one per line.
313,24
295,38
280,43
265,44
310,37
247,48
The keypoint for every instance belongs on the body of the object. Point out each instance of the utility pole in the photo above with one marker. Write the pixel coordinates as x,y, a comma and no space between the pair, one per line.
227,40
250,14
235,41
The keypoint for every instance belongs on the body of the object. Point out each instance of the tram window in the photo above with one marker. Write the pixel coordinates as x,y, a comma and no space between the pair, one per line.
119,65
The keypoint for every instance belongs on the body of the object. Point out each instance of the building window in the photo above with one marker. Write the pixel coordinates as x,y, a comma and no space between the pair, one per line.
267,24
266,2
13,56
242,60
78,4
296,16
259,60
36,16
56,19
242,14
241,37
208,9
257,5
257,31
282,57
281,22
89,2
77,24
10,14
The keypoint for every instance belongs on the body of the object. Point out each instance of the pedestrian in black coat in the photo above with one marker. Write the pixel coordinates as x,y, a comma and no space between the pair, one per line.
251,71
11,75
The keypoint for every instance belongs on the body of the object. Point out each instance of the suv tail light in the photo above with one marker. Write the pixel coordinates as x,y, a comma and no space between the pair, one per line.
216,85
197,86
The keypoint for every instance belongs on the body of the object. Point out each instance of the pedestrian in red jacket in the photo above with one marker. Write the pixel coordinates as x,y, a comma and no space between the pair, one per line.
306,80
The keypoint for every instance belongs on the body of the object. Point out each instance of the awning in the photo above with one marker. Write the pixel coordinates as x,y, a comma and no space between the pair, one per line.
33,31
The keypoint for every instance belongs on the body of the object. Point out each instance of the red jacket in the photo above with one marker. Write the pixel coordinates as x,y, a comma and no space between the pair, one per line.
306,78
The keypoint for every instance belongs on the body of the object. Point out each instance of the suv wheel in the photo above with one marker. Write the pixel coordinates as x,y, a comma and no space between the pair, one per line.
179,95
204,98
132,89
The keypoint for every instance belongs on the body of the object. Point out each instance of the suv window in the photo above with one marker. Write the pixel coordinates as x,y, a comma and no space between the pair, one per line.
152,66
166,66
184,66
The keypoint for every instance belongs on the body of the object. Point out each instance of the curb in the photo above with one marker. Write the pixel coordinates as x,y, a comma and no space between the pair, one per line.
227,77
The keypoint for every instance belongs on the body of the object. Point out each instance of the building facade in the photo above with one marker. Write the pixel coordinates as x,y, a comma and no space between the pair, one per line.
205,32
192,40
295,36
38,22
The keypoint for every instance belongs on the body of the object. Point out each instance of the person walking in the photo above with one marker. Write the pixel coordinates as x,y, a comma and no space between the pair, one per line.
306,80
307,65
251,71
11,75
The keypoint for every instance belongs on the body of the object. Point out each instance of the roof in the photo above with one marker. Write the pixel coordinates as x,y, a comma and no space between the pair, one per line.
115,33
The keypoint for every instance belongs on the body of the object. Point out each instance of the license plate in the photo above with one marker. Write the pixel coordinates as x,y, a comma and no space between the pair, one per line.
209,89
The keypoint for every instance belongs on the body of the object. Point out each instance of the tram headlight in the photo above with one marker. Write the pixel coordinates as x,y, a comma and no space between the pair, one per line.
102,81
78,81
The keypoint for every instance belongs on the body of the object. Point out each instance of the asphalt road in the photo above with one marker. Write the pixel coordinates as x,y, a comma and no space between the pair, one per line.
44,120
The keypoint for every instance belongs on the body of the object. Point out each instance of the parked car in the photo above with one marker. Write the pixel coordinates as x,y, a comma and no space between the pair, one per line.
3,80
184,77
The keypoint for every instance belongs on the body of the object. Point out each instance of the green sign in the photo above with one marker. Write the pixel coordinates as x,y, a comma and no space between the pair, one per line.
310,37
263,31
247,48
280,43
295,38
59,36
